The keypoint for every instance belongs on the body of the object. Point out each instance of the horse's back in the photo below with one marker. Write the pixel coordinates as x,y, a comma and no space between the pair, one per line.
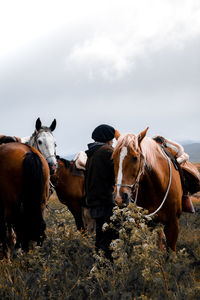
12,156
69,189
67,185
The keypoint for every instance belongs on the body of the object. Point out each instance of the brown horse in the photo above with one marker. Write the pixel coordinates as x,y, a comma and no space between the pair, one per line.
69,185
24,187
145,175
68,182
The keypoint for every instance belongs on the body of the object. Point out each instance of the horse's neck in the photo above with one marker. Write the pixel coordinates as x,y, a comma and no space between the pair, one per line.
26,140
31,142
153,177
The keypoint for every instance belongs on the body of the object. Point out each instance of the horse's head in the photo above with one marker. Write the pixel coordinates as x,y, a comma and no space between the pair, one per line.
44,141
128,166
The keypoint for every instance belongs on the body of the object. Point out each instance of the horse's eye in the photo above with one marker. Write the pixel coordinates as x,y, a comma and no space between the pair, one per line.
40,142
135,159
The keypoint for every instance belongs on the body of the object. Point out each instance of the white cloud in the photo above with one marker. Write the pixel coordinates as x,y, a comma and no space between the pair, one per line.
133,30
102,55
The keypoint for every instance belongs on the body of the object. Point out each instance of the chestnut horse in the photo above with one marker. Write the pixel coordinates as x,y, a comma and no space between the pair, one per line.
146,176
68,182
24,188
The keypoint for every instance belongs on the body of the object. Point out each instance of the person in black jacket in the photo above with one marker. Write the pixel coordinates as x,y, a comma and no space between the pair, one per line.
99,184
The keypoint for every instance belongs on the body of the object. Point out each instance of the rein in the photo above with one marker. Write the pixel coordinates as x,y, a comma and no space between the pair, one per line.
168,187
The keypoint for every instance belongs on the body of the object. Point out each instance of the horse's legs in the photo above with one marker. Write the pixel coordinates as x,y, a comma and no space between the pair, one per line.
4,252
160,242
3,236
79,222
171,230
77,214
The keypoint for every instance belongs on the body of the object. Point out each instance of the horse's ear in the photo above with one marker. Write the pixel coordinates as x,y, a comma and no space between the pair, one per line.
117,134
53,125
38,124
141,135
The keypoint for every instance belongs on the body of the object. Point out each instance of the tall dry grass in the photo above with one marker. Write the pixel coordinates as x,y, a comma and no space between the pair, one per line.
60,269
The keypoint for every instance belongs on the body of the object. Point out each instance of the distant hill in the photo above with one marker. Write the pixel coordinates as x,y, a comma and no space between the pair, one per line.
193,150
68,157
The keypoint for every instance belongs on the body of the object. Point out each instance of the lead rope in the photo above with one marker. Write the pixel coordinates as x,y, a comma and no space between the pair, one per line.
167,191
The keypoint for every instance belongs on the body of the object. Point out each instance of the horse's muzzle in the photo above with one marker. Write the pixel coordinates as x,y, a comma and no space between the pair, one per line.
52,168
125,199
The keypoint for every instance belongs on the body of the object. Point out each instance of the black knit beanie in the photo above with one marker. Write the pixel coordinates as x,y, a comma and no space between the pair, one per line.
103,133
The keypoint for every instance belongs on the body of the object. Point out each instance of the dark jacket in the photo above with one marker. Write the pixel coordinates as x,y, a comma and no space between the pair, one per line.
100,179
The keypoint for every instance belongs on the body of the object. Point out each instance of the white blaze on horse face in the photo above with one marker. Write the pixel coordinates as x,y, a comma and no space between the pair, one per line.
46,145
120,175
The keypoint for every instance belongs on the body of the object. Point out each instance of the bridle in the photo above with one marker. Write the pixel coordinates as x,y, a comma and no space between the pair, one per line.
135,186
36,144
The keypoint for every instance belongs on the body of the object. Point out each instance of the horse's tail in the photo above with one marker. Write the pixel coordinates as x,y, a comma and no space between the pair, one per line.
33,177
32,197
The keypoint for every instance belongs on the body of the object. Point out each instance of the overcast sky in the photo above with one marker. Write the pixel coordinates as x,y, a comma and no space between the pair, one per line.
130,64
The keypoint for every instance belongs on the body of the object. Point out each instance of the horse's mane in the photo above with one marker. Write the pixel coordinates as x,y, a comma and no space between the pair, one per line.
7,139
66,162
126,140
150,149
43,128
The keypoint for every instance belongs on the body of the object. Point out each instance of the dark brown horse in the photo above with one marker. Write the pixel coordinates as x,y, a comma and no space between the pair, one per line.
69,185
24,188
146,176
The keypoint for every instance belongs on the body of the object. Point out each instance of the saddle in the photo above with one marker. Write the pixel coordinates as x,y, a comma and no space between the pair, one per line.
75,171
4,139
192,177
78,166
189,174
80,160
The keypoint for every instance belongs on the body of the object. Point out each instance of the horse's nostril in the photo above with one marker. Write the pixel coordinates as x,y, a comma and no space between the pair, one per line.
124,197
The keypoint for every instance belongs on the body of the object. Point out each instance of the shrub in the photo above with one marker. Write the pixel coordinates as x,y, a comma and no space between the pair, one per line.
60,269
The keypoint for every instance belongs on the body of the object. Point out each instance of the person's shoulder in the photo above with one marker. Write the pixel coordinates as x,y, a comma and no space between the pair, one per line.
107,148
105,151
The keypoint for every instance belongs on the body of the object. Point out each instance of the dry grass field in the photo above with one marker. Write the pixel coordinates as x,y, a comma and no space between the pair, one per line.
60,269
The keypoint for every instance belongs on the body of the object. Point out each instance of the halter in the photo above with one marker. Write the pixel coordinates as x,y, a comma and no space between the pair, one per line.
35,141
136,185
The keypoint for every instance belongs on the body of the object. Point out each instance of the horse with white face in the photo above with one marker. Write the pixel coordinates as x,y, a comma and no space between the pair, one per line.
43,140
146,176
